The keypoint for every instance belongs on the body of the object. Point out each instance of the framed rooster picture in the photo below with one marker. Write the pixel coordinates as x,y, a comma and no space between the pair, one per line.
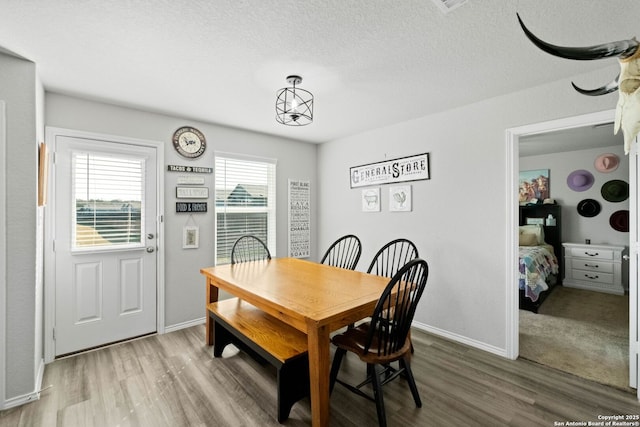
400,198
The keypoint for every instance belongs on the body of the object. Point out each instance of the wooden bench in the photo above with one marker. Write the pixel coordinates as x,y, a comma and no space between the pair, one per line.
265,338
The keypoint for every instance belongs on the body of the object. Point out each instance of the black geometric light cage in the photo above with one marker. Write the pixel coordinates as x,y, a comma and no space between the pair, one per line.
294,106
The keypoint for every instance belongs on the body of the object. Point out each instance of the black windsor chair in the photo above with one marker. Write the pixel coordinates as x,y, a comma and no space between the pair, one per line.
249,248
392,256
385,339
344,252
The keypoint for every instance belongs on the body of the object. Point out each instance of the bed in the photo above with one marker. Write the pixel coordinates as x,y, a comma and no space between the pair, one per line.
538,270
540,257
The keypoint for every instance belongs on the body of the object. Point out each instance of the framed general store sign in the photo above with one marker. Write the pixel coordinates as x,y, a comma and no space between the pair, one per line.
403,169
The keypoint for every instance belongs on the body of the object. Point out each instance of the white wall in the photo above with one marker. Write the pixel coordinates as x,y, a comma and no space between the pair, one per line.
459,215
184,286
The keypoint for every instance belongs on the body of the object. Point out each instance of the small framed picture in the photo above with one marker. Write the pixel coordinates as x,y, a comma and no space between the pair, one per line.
192,192
371,200
533,186
400,198
190,180
190,237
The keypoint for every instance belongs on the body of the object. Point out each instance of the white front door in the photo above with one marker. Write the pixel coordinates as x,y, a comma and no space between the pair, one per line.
105,250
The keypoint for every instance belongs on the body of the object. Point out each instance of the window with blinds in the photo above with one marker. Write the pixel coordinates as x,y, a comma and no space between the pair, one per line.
245,202
108,194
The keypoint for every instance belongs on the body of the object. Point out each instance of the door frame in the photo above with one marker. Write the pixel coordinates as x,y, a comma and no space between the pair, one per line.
512,136
3,250
51,134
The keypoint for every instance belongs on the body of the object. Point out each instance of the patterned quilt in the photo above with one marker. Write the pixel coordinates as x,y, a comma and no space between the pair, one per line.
537,263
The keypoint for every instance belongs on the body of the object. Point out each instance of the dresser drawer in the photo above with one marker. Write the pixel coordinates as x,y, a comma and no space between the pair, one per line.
594,265
591,276
593,253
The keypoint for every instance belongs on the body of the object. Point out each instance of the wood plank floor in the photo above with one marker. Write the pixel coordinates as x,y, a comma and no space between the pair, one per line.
172,380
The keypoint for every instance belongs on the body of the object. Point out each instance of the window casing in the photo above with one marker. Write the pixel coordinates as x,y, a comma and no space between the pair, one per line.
245,202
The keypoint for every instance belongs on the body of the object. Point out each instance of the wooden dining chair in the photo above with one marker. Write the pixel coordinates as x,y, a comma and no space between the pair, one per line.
385,339
249,248
344,252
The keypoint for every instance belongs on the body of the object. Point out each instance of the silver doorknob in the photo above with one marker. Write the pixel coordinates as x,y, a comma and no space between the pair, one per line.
626,257
150,249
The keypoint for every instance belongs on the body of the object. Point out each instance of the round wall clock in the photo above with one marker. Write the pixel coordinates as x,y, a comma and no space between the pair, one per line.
189,142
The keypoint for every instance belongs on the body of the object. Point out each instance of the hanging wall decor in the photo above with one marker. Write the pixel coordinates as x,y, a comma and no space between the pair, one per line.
192,192
191,207
588,208
627,115
606,163
190,180
400,198
615,191
404,169
533,186
299,218
371,200
580,180
619,221
190,237
189,169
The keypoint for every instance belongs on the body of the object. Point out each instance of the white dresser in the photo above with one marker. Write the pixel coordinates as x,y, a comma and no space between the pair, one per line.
593,267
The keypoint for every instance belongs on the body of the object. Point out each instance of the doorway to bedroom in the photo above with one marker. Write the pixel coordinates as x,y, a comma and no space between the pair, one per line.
581,331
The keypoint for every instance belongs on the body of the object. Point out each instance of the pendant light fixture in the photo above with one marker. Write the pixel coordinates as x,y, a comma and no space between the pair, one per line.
294,106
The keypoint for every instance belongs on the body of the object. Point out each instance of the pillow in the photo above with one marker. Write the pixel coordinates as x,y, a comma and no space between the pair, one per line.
528,239
534,229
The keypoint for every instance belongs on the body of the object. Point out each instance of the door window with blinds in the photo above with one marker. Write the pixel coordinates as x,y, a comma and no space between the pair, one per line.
245,202
108,194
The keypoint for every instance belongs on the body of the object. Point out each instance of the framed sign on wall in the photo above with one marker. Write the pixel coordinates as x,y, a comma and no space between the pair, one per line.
404,169
299,218
192,192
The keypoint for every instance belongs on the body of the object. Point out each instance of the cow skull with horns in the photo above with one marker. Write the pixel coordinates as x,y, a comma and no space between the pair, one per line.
628,80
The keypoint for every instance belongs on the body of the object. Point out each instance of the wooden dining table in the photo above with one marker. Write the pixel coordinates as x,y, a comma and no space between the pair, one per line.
313,298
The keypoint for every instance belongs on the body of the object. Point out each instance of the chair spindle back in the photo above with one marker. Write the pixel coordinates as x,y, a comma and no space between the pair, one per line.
392,256
344,252
249,248
392,317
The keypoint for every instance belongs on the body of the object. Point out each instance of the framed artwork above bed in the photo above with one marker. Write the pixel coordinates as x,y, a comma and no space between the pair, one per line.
533,185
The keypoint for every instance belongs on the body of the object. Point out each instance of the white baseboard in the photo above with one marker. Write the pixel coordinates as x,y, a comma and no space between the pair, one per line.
461,339
184,325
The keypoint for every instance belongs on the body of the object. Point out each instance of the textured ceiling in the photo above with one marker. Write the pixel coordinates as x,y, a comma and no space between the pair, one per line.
369,63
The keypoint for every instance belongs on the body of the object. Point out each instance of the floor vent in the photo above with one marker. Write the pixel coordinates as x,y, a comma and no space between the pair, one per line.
448,5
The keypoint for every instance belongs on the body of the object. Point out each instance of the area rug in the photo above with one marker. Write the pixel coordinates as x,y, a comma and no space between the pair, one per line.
581,332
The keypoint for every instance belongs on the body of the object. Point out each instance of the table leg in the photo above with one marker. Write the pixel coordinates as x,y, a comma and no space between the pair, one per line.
318,342
212,296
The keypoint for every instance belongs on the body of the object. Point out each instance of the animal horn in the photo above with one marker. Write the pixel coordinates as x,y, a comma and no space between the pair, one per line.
622,48
608,88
